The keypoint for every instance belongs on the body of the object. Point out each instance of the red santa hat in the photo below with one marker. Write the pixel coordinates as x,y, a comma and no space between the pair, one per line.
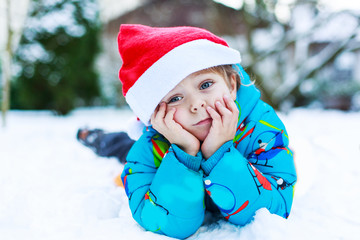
156,59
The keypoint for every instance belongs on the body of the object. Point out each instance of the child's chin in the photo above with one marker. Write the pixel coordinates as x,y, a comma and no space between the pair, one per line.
200,133
202,136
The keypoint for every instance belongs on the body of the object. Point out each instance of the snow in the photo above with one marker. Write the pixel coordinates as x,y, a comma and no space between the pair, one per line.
336,5
34,51
303,19
111,9
51,21
336,28
51,187
261,38
235,4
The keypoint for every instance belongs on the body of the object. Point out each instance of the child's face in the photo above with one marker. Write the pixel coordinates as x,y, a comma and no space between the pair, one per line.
191,97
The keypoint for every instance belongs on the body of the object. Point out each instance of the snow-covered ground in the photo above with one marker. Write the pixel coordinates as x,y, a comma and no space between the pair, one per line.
51,187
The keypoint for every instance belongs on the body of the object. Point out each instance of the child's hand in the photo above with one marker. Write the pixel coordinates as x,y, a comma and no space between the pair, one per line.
165,124
223,127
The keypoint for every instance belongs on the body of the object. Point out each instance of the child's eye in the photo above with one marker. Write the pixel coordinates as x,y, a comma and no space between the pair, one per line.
205,85
175,99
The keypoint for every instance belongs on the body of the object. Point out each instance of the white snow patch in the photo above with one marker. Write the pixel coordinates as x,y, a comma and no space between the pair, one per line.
51,187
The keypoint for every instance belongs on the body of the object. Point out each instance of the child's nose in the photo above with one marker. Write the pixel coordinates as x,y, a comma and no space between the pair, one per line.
196,106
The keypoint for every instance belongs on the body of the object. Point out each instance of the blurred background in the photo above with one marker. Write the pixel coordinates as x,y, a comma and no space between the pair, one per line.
62,54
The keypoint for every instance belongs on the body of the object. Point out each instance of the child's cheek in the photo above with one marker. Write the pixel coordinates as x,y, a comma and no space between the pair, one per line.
179,117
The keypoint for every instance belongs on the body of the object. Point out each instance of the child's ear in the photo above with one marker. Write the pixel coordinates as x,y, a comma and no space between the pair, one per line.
233,87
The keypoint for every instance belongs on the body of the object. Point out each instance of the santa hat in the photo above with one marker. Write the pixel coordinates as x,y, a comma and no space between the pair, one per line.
156,59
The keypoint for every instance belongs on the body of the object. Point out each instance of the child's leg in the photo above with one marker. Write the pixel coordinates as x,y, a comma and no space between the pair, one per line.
115,145
106,144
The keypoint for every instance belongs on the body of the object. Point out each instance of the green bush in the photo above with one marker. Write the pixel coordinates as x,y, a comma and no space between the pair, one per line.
56,57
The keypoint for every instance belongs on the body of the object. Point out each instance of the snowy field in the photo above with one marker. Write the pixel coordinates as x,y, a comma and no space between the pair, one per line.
51,187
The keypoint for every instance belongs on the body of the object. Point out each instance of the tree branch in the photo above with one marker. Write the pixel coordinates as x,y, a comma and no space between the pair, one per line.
7,57
313,65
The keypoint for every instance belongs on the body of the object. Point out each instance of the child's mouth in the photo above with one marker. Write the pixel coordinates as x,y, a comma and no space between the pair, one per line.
204,122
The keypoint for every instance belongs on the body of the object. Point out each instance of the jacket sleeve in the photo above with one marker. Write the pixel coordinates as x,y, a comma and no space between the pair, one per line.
262,176
164,187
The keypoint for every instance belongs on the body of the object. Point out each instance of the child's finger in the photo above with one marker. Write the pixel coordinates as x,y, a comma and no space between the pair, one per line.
231,116
214,115
162,110
230,104
153,116
224,112
169,117
159,113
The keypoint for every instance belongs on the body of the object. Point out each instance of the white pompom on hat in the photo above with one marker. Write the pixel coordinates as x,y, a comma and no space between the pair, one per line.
156,59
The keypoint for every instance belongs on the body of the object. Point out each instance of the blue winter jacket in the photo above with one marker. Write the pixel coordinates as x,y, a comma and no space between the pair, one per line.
168,189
